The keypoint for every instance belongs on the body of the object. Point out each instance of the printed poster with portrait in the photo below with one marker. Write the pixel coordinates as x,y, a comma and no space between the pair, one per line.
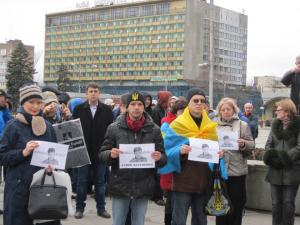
228,140
50,153
204,150
70,133
136,156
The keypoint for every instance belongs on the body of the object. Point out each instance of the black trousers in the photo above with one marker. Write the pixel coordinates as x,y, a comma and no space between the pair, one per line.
236,187
168,207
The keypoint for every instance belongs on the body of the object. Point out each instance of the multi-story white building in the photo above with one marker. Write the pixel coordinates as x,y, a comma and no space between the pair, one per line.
146,44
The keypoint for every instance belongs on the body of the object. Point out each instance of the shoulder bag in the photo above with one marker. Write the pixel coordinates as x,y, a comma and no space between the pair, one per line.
48,201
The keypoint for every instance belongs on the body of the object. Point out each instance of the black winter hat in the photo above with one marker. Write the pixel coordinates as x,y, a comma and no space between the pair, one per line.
3,93
194,91
135,96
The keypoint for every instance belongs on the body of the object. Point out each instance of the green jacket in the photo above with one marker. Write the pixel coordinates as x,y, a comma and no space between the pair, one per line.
283,153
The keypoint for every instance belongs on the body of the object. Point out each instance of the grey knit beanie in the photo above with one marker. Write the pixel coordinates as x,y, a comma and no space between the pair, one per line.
29,92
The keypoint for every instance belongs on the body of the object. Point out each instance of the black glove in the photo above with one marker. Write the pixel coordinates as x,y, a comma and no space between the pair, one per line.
271,158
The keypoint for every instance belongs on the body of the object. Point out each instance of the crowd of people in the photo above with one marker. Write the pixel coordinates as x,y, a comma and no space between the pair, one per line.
175,182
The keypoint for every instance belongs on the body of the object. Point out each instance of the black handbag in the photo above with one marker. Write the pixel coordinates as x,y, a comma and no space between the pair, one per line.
217,201
48,201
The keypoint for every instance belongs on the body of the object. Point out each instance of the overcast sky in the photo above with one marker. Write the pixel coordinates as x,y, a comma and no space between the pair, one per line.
273,30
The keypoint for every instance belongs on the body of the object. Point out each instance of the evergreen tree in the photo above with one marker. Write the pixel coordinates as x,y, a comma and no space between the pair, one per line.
63,82
19,72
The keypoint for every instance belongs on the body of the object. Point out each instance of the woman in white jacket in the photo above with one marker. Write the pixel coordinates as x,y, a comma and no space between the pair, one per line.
236,161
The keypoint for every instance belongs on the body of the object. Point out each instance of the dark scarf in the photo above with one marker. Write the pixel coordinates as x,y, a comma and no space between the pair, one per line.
292,128
135,126
37,122
197,120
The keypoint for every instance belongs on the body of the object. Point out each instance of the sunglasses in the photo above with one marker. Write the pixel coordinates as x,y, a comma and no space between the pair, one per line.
196,101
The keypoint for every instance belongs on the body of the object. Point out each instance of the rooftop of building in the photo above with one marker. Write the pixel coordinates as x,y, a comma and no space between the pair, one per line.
97,7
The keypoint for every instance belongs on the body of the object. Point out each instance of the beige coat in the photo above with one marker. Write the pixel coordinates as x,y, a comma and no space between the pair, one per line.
236,162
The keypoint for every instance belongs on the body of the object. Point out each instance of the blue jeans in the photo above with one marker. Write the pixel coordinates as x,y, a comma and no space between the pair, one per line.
182,202
283,204
99,175
120,207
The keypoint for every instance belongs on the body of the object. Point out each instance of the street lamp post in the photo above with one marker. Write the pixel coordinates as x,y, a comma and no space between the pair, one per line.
211,55
79,77
224,86
211,58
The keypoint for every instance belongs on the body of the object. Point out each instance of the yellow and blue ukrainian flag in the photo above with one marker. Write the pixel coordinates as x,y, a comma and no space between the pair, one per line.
179,132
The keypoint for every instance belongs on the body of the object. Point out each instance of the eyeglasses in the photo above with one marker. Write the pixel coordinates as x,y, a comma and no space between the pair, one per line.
197,101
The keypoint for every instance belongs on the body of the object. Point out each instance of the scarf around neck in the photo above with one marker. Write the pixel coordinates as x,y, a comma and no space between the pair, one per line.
133,125
185,126
37,123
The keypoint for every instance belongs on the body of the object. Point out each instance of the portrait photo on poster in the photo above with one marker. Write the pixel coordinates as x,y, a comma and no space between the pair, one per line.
136,156
49,153
228,140
204,150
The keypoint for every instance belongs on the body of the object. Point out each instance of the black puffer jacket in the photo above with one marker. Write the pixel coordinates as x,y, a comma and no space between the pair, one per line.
134,183
283,153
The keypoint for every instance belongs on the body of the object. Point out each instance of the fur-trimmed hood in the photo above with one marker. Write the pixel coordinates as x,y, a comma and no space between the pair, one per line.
292,129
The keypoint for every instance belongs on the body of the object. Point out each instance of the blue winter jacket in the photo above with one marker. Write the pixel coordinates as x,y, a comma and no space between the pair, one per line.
20,172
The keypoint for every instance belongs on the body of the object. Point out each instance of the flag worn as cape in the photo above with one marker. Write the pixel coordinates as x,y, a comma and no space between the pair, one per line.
179,132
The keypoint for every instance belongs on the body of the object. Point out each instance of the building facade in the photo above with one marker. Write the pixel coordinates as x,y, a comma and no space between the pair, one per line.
150,45
5,51
272,91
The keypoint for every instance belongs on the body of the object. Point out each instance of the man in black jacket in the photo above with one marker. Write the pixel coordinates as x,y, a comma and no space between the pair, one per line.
95,117
292,78
132,188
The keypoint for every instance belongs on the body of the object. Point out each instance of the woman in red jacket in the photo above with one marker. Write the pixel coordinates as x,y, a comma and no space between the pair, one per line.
166,179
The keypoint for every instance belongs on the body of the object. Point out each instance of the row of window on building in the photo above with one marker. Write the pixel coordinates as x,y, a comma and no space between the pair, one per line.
225,61
229,61
118,32
228,69
121,65
120,73
52,40
145,56
110,14
225,52
108,24
225,27
224,35
229,45
130,46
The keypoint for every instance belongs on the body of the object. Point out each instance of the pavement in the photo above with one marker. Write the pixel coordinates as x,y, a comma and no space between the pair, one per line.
155,216
263,134
155,213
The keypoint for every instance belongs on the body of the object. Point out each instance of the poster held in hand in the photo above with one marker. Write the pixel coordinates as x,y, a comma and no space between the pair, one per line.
204,150
50,153
135,156
228,140
70,133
